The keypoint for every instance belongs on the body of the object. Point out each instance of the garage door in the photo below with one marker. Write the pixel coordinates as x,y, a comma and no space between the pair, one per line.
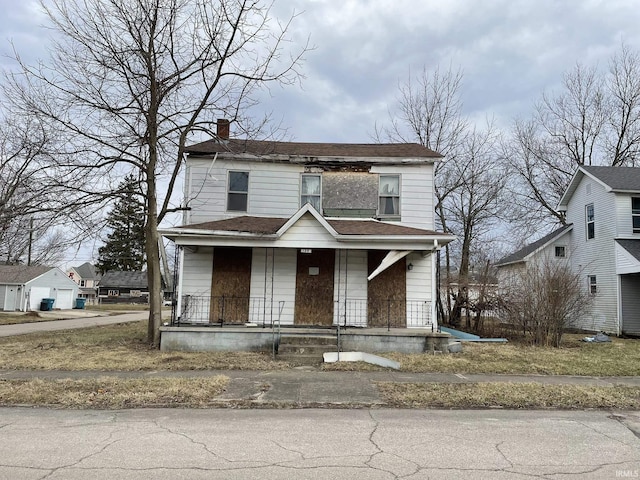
36,295
64,299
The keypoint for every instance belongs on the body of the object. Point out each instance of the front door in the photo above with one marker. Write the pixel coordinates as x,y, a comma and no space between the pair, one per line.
314,287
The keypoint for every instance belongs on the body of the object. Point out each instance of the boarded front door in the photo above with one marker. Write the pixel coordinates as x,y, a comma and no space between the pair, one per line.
230,285
314,288
386,294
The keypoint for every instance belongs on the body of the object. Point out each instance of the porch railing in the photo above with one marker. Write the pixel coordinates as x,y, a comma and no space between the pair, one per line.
266,312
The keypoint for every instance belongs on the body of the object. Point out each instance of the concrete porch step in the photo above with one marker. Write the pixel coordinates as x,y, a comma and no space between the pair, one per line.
306,349
307,340
299,360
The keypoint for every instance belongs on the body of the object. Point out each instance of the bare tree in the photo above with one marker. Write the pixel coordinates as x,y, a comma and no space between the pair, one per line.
130,81
593,120
543,300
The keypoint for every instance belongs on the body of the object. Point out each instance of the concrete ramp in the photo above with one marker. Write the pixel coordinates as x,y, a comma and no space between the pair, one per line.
332,357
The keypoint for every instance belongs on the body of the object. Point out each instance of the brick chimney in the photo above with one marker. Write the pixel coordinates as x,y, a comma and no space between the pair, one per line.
223,129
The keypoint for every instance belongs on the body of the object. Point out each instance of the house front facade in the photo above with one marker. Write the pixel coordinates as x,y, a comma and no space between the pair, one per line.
87,278
123,287
307,234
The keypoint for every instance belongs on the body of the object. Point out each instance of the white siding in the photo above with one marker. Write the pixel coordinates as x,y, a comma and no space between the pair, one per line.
419,289
197,270
273,189
623,215
416,193
596,256
350,287
307,233
273,275
3,301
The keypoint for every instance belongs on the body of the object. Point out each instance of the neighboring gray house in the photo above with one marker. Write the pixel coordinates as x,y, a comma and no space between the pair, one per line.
87,278
23,287
602,206
123,287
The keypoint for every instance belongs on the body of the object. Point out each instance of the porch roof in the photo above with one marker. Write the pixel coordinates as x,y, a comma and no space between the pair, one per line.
627,256
265,231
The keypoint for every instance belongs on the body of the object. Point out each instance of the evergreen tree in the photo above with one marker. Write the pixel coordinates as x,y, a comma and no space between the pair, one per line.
124,247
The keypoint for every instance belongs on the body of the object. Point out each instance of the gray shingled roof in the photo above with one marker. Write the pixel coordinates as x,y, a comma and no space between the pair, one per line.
307,150
631,246
87,271
270,225
20,274
521,254
617,178
117,279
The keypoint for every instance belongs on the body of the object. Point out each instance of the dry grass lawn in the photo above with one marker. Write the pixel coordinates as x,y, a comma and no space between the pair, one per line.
14,318
513,395
113,393
120,347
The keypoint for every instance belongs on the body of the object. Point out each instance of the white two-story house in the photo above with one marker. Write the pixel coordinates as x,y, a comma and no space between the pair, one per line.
601,242
308,234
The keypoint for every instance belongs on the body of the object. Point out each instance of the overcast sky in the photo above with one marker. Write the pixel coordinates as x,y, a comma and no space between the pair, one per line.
510,51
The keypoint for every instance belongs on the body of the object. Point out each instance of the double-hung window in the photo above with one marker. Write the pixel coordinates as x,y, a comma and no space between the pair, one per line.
310,189
389,196
635,214
237,191
591,221
593,284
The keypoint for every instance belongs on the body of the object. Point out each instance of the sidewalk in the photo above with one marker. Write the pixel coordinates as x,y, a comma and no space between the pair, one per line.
72,319
313,388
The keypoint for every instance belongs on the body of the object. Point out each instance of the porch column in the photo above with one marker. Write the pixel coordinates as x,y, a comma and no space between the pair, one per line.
434,285
179,286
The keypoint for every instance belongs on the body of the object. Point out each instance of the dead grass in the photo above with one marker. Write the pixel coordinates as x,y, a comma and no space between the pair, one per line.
514,396
621,357
15,318
117,307
113,393
120,347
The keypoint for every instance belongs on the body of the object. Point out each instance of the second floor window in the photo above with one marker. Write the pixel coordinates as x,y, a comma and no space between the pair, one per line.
310,191
635,214
591,221
83,283
238,191
389,196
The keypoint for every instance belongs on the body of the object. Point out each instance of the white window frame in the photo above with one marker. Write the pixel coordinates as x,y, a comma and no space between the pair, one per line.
635,215
381,196
237,192
113,293
312,195
590,220
592,284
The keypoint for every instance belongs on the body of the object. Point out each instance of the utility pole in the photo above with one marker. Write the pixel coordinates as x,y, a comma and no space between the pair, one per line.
30,241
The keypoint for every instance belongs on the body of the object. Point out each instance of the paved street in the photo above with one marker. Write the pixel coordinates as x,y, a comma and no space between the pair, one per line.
317,444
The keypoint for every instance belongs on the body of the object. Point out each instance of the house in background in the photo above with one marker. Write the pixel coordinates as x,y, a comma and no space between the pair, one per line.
602,209
313,234
123,287
554,247
22,288
87,278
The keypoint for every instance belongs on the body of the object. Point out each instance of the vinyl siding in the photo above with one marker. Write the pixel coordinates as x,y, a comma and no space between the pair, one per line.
623,215
197,270
419,288
350,287
308,233
596,256
3,294
273,275
416,193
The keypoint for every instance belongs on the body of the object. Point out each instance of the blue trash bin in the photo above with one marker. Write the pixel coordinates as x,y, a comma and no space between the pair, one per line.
47,304
80,303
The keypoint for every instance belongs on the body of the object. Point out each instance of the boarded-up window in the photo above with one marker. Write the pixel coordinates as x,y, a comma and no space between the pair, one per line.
230,286
386,295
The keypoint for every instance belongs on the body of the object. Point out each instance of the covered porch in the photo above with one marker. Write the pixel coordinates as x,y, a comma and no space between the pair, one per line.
628,270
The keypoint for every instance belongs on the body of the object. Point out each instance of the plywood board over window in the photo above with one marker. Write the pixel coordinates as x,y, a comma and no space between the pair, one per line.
230,285
386,294
314,287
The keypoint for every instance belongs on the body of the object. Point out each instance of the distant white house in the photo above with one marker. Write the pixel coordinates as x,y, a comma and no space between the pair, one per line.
601,242
87,278
22,288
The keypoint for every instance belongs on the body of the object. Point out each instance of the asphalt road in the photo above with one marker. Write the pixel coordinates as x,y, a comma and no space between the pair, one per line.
317,444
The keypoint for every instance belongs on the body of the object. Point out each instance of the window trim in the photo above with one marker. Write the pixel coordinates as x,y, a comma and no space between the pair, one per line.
592,284
319,195
564,251
398,196
635,213
590,232
237,192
